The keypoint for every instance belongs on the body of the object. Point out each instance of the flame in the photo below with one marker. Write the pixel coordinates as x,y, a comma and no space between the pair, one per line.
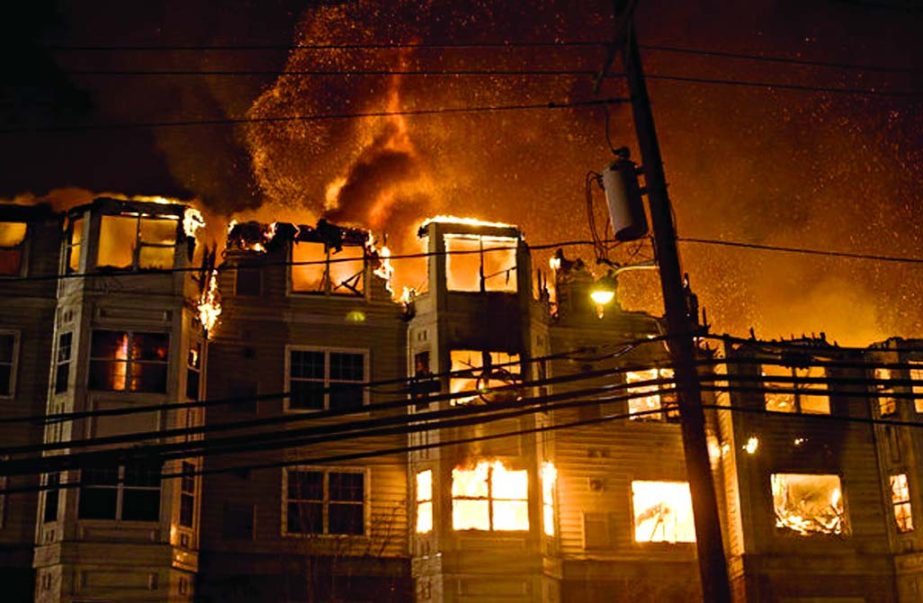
407,295
752,444
442,219
489,496
808,504
192,221
209,306
662,512
120,369
549,477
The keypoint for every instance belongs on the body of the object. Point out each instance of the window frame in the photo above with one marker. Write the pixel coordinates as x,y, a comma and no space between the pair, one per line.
798,387
491,501
900,502
120,488
790,533
70,246
65,364
329,289
129,361
327,351
326,502
138,241
13,364
22,248
667,402
420,501
188,477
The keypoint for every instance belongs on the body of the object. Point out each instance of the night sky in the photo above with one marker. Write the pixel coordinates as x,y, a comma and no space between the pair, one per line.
763,165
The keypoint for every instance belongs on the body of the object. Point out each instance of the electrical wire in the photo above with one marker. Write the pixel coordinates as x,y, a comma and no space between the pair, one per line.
803,250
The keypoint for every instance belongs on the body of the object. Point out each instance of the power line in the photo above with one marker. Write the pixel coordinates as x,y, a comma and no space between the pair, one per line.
803,250
783,86
321,116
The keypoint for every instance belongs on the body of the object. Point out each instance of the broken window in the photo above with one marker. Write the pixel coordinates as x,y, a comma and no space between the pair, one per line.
424,502
12,243
321,501
481,371
74,245
656,399
802,400
193,370
187,495
8,351
549,477
313,371
900,502
128,493
317,268
662,512
808,504
480,263
490,497
887,405
129,361
63,362
916,374
137,241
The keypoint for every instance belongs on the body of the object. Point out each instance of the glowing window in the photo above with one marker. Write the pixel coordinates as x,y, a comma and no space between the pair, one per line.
133,242
799,397
424,502
12,240
549,477
648,398
808,504
916,374
662,512
319,269
490,497
481,372
887,405
480,263
900,502
74,245
127,361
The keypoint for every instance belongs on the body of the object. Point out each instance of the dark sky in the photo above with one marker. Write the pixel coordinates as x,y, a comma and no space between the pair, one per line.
771,166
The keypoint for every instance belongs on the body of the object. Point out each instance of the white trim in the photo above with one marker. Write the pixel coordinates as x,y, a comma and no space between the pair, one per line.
326,470
366,368
14,365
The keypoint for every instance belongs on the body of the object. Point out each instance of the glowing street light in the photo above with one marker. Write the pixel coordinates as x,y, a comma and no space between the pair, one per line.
603,292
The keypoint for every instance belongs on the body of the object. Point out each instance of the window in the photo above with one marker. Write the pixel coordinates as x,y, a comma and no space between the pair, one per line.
480,371
187,495
12,243
656,399
137,241
9,350
480,263
248,281
193,370
424,383
63,362
74,244
322,501
490,497
129,361
802,400
424,502
662,512
549,477
887,405
808,504
311,371
52,498
900,502
916,374
317,268
130,493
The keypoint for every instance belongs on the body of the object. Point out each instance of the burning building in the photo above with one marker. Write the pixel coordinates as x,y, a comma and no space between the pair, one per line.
509,448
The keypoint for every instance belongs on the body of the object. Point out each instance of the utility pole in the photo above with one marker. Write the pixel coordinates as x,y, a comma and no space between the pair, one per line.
712,563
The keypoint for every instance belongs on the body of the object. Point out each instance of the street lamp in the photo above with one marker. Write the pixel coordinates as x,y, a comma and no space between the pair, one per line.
603,291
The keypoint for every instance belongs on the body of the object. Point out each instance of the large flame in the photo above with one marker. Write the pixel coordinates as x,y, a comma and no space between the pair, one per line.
209,306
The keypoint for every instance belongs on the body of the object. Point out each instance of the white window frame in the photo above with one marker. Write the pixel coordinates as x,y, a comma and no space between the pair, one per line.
120,488
366,367
14,364
326,471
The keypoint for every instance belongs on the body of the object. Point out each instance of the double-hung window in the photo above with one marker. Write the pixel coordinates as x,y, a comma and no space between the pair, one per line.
187,495
129,361
900,502
128,493
12,243
320,379
490,497
324,501
63,362
9,350
789,391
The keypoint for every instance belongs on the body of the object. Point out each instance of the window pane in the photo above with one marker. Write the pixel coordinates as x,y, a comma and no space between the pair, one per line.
346,519
64,347
305,485
307,365
141,505
156,258
186,510
347,486
150,346
648,399
347,277
188,480
6,379
310,277
109,344
142,476
511,515
149,377
108,476
470,482
7,342
345,396
347,367
77,231
51,499
463,263
500,264
192,384
470,514
97,503
111,375
425,485
812,403
117,242
808,504
509,484
424,517
307,395
160,231
62,373
305,518
662,512
12,234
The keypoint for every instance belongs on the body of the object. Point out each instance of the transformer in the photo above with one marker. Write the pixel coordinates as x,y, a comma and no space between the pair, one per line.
623,196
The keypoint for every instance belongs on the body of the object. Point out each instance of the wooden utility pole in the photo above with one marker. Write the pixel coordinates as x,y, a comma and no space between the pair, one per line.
712,563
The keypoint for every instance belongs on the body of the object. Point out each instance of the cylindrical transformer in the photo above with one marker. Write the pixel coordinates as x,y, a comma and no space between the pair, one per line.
623,196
